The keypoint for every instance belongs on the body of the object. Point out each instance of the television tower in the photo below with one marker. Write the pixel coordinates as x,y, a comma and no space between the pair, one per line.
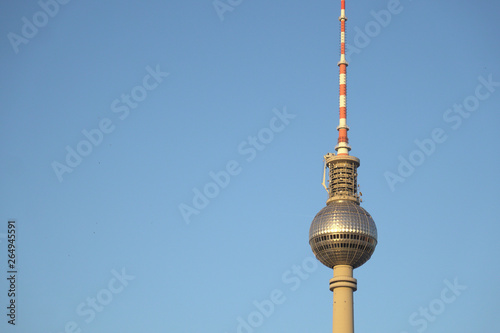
343,235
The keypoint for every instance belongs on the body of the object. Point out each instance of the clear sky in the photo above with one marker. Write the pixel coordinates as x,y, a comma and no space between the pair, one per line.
163,162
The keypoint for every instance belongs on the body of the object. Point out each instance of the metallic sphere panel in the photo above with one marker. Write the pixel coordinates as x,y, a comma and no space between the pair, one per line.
343,233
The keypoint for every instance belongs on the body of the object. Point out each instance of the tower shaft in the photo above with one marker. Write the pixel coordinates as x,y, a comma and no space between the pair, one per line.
343,285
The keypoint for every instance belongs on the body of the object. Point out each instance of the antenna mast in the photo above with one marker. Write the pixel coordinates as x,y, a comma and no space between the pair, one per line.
342,147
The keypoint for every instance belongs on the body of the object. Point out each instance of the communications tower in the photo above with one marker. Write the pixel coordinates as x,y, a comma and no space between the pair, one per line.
343,235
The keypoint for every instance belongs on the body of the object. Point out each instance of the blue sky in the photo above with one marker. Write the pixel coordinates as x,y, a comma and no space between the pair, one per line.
116,115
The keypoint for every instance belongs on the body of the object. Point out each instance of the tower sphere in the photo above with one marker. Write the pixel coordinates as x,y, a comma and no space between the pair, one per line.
343,233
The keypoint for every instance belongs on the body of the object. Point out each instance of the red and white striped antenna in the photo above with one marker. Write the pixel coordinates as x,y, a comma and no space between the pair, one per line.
342,147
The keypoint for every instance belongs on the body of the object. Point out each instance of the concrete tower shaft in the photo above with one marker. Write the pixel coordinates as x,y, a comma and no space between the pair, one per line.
343,285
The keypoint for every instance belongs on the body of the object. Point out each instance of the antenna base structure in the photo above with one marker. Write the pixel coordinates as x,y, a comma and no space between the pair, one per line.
343,178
